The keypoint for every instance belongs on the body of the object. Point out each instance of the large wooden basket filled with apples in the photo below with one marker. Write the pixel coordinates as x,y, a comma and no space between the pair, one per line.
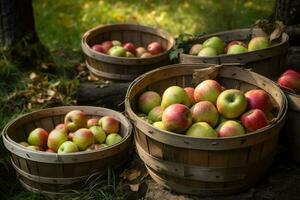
125,51
206,129
250,47
56,150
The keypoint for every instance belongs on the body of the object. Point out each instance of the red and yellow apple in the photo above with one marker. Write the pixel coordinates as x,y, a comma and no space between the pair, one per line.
230,128
258,43
254,119
155,114
174,95
56,138
92,122
75,120
207,90
148,100
205,111
190,92
38,137
83,138
107,45
109,124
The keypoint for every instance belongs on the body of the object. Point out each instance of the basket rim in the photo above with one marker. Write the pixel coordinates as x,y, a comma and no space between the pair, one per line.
88,51
281,114
7,139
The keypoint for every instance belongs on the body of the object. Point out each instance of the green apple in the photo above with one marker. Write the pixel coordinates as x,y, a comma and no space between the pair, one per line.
258,43
56,138
148,100
230,128
216,43
117,51
159,125
83,138
75,120
174,95
112,139
237,49
207,52
155,114
38,137
231,103
99,134
196,48
67,147
201,130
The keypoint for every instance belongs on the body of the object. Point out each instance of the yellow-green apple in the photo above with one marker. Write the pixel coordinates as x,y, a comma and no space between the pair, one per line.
254,119
207,90
140,51
92,122
231,103
117,51
205,111
196,48
154,48
61,127
155,114
129,55
216,43
35,148
290,80
83,138
258,43
129,47
112,139
38,137
146,55
107,45
109,124
67,147
230,128
99,134
258,98
201,130
237,49
56,138
148,100
75,120
98,48
116,43
174,95
207,52
24,144
177,118
159,125
190,92
233,43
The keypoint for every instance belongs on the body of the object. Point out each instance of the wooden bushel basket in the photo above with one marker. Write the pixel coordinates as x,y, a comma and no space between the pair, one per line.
125,68
268,62
205,166
51,173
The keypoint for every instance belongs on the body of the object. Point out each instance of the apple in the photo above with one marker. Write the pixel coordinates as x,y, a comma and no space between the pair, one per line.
207,52
146,55
230,128
117,51
174,95
38,137
95,147
112,139
254,119
205,111
207,90
258,43
291,72
56,138
155,114
190,92
155,48
129,55
148,100
215,43
177,118
24,144
233,43
75,120
35,148
98,48
83,138
70,136
159,125
99,134
201,130
116,43
107,45
259,99
61,127
196,48
67,147
231,103
290,80
140,51
129,47
109,124
92,122
237,49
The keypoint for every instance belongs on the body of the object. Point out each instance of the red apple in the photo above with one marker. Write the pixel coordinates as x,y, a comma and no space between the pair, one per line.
148,100
140,51
75,120
92,122
230,128
107,45
174,95
38,137
231,103
177,118
207,90
254,120
98,48
233,43
290,80
155,48
205,111
258,98
109,124
155,114
190,92
201,130
129,47
83,138
56,138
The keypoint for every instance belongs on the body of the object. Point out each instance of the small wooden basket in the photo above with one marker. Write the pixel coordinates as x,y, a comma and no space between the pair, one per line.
204,165
52,173
122,68
268,62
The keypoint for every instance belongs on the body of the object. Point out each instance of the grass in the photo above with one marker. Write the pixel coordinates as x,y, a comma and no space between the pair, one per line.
60,25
